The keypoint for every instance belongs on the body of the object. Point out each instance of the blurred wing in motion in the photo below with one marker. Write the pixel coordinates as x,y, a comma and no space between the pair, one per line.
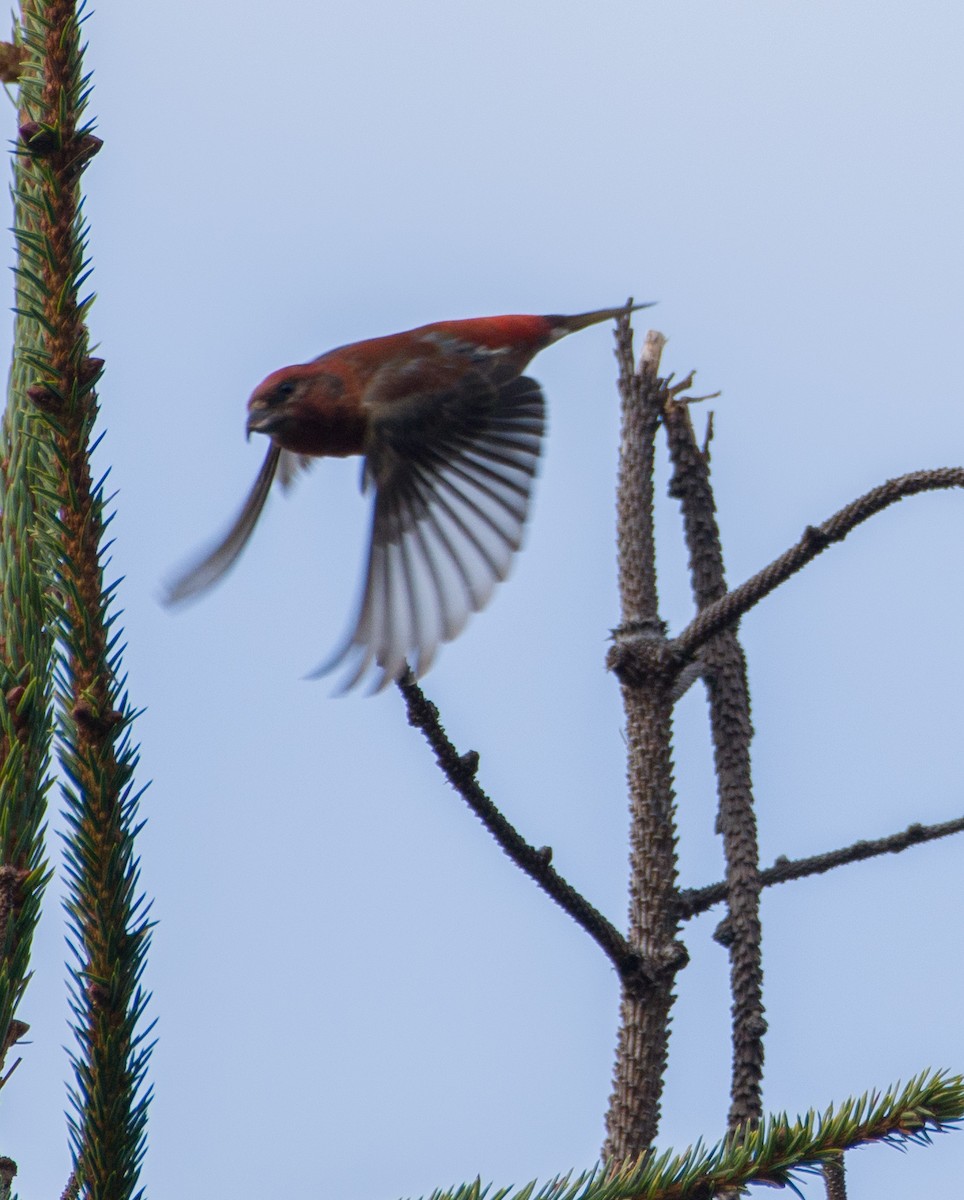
217,562
452,474
289,467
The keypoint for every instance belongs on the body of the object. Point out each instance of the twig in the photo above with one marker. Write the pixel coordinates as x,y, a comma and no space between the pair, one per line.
693,901
724,673
726,611
460,771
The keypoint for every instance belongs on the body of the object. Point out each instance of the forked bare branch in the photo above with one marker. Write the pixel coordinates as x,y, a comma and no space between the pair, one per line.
816,538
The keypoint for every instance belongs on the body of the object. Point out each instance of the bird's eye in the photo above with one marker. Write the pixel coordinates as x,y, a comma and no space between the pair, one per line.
284,391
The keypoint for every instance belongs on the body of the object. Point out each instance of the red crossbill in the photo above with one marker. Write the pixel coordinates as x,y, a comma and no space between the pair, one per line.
450,430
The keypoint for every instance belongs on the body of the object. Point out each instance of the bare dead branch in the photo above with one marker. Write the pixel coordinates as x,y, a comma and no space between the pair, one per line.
693,901
647,674
459,770
643,397
724,673
816,538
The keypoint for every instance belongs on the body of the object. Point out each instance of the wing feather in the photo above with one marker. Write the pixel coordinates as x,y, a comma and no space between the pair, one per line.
289,467
452,476
215,563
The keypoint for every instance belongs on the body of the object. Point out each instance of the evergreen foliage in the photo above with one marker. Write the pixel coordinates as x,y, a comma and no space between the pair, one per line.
776,1153
109,929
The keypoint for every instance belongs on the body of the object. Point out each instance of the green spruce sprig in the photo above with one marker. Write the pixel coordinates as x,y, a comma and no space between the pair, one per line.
109,926
26,648
777,1152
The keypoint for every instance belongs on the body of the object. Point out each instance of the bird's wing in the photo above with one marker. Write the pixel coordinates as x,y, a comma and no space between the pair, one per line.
452,474
216,562
289,466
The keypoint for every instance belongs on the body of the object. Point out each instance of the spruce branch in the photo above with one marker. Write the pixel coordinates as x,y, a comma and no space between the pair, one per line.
726,611
26,647
693,901
460,770
777,1152
109,927
723,668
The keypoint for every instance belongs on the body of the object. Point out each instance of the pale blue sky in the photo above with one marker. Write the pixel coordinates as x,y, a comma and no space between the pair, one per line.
357,996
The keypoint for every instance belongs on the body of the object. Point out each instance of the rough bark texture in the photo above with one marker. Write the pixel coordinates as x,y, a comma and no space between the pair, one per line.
724,673
835,1179
697,900
646,674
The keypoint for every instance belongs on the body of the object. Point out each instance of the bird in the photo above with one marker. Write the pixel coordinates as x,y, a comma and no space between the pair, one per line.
450,432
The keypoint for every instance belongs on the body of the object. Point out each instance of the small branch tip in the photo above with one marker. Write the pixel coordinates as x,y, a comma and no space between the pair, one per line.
99,723
89,371
39,140
470,761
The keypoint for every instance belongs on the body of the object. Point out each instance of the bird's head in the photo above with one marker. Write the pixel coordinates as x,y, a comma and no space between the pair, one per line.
306,409
275,401
288,397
